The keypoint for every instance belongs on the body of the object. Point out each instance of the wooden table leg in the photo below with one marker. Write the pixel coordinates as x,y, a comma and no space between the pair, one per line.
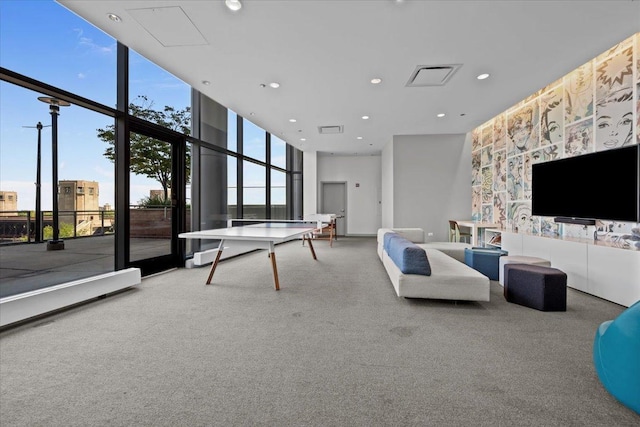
276,282
313,252
332,233
215,263
274,267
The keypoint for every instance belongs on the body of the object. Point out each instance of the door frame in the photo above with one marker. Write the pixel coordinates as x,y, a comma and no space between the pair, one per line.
178,197
322,201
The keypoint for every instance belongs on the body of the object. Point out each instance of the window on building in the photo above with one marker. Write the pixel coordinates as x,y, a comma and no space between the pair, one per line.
152,91
254,141
278,194
232,131
254,190
278,152
74,55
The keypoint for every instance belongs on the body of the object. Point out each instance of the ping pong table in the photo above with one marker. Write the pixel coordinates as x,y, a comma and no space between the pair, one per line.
257,234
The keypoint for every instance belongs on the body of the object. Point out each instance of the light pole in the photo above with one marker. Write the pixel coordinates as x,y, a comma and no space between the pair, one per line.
38,226
56,243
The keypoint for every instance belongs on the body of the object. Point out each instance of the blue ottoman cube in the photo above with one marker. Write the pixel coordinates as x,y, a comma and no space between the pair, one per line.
536,286
484,260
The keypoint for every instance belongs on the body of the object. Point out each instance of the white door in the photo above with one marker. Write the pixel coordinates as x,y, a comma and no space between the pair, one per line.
334,201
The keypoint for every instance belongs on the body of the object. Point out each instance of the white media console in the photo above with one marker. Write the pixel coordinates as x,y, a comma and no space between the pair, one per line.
600,268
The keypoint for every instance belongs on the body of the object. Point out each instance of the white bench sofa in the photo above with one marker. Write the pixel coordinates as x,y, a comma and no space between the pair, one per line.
450,279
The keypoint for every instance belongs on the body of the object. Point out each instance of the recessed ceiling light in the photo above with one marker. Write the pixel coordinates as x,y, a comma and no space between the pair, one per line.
482,76
440,115
358,137
252,113
274,85
376,81
303,139
206,82
292,120
234,5
365,117
114,17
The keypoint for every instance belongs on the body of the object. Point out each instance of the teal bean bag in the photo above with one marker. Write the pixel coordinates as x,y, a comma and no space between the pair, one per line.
616,356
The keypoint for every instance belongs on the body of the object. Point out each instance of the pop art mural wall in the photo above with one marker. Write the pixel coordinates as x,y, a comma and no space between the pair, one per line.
595,107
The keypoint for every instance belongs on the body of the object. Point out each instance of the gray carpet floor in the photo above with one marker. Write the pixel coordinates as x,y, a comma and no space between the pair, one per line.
334,347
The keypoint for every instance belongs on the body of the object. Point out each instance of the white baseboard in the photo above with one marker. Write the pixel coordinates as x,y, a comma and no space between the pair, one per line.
209,255
29,304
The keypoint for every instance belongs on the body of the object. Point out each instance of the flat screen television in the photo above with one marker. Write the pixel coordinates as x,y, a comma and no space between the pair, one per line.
602,185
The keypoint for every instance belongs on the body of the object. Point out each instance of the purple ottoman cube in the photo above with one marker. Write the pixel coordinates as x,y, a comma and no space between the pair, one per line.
536,286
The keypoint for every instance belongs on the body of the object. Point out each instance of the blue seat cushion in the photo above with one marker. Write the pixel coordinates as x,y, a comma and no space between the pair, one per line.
386,238
409,257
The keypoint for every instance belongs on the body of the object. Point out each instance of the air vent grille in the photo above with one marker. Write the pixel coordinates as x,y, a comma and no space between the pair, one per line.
328,130
432,75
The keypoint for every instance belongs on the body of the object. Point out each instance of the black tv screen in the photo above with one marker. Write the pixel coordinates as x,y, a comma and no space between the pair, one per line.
602,185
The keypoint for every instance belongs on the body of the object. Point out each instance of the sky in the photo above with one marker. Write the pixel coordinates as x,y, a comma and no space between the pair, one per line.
77,57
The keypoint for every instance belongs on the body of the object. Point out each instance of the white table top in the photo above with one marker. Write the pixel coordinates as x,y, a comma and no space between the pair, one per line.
250,233
476,224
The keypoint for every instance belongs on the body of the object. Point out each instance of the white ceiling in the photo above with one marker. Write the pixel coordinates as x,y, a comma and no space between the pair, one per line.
325,52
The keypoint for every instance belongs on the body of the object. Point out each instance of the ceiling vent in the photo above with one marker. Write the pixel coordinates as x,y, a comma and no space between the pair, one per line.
328,130
169,25
432,75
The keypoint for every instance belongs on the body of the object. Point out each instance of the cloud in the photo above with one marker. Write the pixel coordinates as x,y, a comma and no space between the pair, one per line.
104,172
90,45
81,75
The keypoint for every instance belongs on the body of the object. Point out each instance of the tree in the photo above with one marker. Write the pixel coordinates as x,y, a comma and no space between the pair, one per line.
149,156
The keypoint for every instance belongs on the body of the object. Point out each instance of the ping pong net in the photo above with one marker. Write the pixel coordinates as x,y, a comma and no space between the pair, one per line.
274,223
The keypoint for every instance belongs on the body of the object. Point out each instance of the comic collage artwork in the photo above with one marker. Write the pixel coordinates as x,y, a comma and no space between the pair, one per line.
590,109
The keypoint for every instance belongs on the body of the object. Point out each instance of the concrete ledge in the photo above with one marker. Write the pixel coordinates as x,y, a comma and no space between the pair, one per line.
29,304
204,257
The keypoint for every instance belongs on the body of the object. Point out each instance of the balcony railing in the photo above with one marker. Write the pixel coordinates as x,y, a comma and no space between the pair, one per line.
20,226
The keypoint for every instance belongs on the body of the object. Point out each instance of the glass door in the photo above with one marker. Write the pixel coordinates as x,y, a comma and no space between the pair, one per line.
155,199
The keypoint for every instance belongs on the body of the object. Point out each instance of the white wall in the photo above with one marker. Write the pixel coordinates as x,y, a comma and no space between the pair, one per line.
387,185
363,202
309,182
431,182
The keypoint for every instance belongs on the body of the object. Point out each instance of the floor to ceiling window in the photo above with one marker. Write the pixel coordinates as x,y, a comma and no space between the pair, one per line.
253,190
278,194
46,42
73,56
230,167
84,193
254,141
158,97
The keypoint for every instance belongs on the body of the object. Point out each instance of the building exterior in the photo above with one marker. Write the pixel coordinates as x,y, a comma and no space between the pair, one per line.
8,202
79,196
159,194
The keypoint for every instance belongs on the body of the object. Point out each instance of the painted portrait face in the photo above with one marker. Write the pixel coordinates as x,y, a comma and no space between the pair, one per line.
521,130
554,130
528,170
614,123
514,168
522,217
579,139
